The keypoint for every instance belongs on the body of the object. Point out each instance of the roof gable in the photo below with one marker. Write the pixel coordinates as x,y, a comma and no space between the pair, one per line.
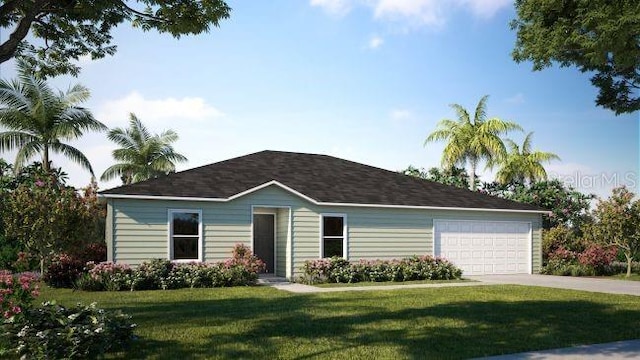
320,179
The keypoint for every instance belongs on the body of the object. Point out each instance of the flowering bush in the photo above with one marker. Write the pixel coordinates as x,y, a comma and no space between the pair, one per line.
594,260
16,293
241,270
598,257
339,270
57,332
242,256
65,268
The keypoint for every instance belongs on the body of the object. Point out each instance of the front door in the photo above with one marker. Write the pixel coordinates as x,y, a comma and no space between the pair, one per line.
264,238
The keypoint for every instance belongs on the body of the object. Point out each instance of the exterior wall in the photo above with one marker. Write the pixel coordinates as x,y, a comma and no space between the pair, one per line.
282,241
140,228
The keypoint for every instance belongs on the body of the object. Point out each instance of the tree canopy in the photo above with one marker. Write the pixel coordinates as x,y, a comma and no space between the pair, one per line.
62,31
142,155
522,164
39,119
471,140
596,36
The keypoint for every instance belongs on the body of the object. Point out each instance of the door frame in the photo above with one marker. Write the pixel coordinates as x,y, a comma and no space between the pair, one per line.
266,210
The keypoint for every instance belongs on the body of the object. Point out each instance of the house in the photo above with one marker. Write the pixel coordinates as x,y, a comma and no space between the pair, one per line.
291,207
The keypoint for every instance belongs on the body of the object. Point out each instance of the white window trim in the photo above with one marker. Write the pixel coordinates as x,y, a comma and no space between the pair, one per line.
345,232
170,213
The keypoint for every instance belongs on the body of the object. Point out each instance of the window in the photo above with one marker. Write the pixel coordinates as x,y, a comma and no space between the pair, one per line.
333,232
185,235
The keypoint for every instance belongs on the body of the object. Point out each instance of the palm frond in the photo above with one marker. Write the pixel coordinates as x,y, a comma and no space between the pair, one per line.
73,154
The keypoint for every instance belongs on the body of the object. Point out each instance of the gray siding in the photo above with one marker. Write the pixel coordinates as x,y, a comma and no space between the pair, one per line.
282,235
140,228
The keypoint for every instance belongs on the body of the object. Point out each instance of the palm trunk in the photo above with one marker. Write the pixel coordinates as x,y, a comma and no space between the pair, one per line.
472,176
45,159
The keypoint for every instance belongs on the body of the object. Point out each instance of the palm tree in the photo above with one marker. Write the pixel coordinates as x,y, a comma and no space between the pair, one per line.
39,119
470,141
142,156
521,164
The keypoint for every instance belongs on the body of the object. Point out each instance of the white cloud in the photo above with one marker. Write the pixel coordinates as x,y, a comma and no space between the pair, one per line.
516,99
116,112
485,8
333,7
400,114
414,13
375,42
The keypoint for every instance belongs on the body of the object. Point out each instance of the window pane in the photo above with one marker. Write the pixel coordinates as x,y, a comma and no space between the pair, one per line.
185,248
185,223
333,226
332,247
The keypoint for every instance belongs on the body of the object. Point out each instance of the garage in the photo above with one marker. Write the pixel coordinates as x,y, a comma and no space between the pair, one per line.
484,247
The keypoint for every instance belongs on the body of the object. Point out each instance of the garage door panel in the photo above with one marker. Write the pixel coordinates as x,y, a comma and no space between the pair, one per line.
484,247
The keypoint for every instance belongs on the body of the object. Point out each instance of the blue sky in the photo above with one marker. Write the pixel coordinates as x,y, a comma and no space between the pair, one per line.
365,80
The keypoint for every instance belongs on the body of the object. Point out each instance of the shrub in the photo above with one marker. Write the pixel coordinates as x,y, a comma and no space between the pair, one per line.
152,275
242,256
63,271
106,276
57,332
240,270
559,237
65,268
413,268
16,293
599,258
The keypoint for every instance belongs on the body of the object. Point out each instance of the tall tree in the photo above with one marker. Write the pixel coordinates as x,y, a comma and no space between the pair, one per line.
141,155
65,30
470,141
596,36
39,119
523,165
617,223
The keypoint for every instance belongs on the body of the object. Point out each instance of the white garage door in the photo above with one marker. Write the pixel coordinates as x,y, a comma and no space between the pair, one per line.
484,247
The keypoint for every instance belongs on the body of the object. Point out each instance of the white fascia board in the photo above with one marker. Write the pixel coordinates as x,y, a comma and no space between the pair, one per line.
309,199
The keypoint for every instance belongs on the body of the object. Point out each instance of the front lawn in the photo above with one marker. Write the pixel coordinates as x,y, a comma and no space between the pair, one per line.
456,322
389,283
633,277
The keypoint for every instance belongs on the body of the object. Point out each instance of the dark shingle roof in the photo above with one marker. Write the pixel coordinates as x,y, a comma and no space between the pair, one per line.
323,178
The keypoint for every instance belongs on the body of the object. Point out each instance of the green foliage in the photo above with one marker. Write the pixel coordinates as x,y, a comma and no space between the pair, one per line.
53,331
64,31
47,218
339,270
596,36
240,270
163,274
38,119
522,164
65,268
16,294
568,207
560,236
453,176
617,223
470,141
142,156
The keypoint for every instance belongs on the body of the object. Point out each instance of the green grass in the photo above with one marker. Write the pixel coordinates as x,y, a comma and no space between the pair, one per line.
455,322
387,283
633,277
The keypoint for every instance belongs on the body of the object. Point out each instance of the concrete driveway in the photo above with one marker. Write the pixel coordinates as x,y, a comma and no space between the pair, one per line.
565,282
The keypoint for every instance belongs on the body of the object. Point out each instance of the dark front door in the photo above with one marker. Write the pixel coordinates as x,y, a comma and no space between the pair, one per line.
263,239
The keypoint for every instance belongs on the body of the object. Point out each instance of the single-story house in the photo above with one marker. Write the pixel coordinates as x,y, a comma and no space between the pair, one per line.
291,207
